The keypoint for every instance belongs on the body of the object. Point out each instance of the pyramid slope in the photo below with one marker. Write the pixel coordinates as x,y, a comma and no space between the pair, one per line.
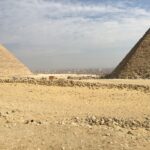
10,65
137,63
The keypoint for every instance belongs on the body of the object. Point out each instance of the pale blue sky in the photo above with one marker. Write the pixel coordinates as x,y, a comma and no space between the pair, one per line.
60,34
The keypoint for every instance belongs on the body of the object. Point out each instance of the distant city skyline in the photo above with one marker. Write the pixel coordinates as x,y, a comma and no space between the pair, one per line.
63,34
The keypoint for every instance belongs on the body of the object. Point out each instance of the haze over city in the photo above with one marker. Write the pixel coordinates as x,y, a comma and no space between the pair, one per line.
62,34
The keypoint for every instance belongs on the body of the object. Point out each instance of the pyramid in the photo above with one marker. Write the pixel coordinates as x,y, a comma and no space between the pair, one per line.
137,62
11,66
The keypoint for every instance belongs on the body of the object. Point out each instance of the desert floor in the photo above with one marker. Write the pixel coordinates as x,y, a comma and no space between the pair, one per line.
39,117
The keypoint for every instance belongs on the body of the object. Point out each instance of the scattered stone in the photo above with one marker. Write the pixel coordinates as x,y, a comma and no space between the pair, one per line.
73,83
76,119
112,122
33,122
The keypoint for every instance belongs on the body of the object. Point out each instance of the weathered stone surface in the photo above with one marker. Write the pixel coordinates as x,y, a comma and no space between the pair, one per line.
11,66
137,63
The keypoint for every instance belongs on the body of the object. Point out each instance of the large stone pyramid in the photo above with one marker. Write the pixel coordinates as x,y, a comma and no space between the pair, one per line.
137,62
11,66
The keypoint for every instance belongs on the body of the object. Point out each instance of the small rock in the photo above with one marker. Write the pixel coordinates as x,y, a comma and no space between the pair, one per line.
133,128
13,111
74,124
93,119
26,122
110,142
147,129
7,121
32,121
147,118
107,134
7,112
102,121
89,126
39,122
76,119
129,132
62,148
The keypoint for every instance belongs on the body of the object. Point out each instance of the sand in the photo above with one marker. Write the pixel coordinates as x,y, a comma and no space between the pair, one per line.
39,117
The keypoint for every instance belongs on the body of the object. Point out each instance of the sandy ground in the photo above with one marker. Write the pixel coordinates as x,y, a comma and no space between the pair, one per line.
38,117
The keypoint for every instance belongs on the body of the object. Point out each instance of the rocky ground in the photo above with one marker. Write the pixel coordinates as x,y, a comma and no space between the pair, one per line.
71,115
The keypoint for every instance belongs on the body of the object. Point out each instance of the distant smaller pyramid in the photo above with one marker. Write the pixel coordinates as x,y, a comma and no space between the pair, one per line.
10,65
137,63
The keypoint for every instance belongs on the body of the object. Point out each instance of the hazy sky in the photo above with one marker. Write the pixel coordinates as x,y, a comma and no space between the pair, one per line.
58,34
